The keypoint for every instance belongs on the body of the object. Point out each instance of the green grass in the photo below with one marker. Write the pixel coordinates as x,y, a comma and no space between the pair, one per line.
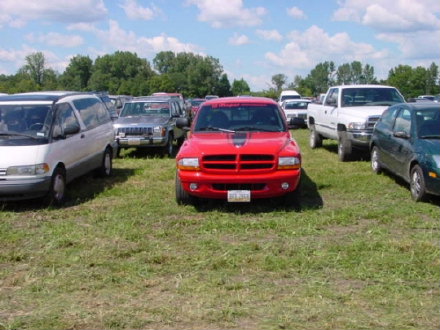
359,254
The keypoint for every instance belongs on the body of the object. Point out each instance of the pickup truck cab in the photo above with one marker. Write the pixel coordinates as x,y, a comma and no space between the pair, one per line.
238,149
348,115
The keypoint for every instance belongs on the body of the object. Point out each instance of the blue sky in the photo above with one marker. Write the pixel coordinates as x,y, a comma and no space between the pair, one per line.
253,39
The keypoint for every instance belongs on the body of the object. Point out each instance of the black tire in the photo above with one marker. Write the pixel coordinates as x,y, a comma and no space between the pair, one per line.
315,139
345,149
182,196
168,149
57,191
376,166
417,184
106,168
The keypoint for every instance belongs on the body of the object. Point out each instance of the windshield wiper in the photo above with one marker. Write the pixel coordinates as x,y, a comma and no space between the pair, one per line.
253,128
210,128
430,137
18,134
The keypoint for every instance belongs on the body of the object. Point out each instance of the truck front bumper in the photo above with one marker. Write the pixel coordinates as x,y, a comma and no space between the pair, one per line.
140,142
217,186
360,138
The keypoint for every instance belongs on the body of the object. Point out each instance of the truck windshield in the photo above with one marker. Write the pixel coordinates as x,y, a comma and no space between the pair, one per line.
146,109
358,97
240,117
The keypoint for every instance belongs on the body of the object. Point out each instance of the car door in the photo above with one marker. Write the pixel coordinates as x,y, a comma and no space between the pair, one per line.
329,114
401,146
67,148
383,135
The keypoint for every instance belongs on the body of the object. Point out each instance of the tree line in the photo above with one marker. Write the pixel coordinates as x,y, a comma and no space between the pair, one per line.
196,76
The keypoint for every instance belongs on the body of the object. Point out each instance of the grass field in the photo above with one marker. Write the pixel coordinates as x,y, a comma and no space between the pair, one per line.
359,254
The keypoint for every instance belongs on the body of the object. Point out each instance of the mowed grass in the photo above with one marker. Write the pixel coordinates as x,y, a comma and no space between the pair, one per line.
121,254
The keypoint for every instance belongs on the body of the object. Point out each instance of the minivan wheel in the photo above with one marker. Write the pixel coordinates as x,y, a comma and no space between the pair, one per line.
106,168
57,191
375,163
417,184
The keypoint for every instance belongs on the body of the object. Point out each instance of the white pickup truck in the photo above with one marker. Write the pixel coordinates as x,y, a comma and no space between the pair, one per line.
348,114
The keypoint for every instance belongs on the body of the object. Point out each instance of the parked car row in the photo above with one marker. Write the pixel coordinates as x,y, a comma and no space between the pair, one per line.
239,148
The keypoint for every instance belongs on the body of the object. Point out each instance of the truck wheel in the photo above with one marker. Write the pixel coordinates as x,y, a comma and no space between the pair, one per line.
344,148
315,139
417,184
182,196
375,162
57,191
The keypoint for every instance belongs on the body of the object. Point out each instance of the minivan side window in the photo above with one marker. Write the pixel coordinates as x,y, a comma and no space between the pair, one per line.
65,117
92,112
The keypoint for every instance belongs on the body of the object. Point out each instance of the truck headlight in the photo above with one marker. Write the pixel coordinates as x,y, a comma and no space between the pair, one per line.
289,163
188,164
160,130
26,170
357,125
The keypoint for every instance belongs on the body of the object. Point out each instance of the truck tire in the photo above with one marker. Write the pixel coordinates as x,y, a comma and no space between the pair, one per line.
182,196
315,139
168,149
345,149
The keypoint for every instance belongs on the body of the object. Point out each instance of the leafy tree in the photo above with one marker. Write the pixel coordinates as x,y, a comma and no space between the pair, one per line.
77,74
34,67
279,80
240,87
110,71
224,86
321,77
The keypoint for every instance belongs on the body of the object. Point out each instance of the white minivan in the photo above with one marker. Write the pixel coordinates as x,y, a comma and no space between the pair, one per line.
288,95
47,139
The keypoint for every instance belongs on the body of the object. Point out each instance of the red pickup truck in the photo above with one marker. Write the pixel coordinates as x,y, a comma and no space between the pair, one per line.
238,149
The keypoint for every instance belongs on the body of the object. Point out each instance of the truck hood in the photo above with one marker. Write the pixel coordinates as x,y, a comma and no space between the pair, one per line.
364,111
141,120
239,142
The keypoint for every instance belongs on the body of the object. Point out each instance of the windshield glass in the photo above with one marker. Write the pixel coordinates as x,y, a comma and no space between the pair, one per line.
235,117
295,105
146,109
357,97
31,121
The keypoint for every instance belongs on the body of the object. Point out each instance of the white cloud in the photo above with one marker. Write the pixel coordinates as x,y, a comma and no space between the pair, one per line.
239,39
308,48
137,12
269,35
16,12
297,13
391,16
56,39
221,13
117,38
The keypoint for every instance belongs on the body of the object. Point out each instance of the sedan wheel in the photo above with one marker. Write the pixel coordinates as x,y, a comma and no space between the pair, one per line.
375,163
417,184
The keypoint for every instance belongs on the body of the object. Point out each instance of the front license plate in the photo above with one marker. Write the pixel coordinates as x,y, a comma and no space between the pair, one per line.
134,142
239,195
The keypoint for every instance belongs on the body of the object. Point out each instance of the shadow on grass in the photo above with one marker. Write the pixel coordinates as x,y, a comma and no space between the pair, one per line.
309,199
434,200
79,191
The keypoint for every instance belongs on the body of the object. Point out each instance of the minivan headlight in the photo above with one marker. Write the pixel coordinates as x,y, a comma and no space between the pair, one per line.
289,163
37,169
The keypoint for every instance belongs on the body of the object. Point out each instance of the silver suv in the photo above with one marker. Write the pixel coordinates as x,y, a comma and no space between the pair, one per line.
50,138
150,122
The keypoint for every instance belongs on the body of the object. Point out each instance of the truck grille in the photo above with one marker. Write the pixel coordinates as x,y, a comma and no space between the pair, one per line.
137,131
371,121
2,171
238,163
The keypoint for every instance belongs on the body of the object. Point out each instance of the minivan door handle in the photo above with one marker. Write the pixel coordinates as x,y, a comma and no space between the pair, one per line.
83,135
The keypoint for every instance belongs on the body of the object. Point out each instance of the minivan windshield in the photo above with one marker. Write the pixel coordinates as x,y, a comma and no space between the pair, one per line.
25,120
234,117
